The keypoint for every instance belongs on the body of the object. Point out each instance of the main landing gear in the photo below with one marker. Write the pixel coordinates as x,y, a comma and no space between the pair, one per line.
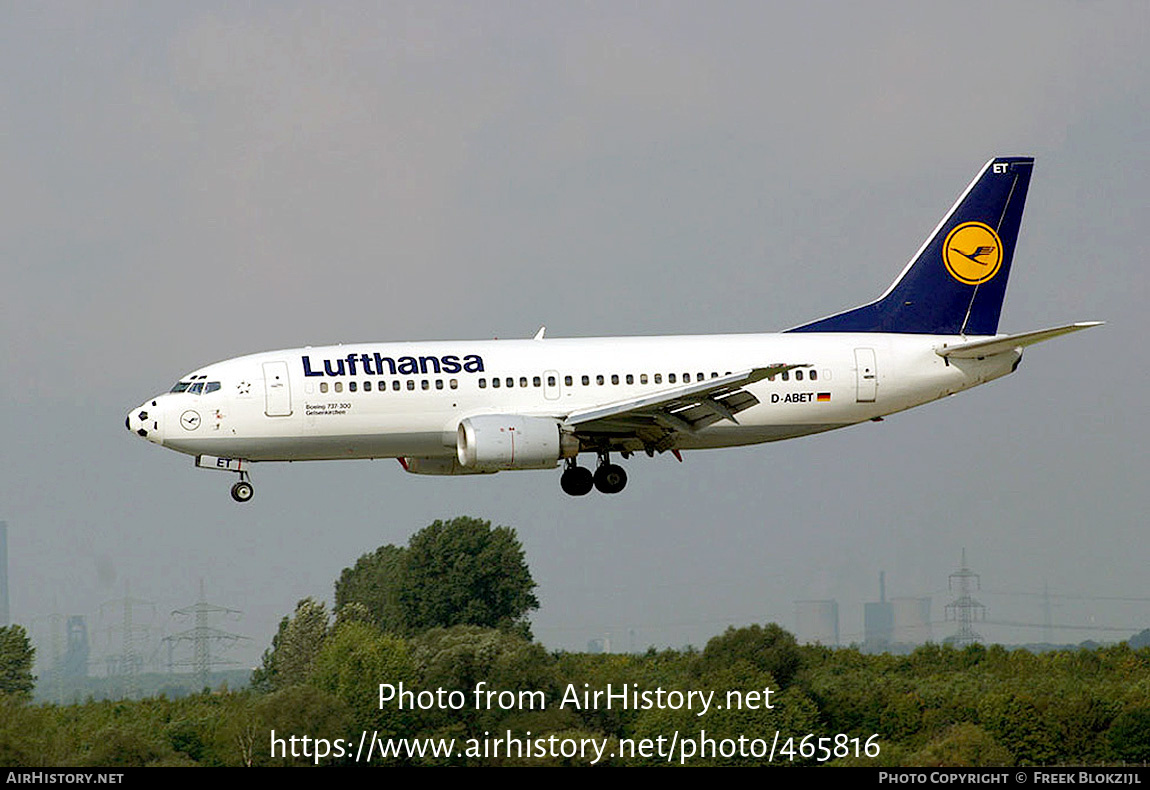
578,480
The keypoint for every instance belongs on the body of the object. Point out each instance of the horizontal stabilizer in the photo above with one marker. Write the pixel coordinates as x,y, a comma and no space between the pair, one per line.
998,345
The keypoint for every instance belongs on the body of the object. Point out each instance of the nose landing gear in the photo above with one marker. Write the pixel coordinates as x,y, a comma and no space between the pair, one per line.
243,490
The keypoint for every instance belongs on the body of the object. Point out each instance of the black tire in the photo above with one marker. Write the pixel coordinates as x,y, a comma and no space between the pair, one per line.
243,491
610,478
577,481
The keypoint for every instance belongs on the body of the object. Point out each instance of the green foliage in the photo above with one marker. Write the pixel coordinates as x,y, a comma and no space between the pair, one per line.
457,572
461,657
1129,735
16,656
294,648
375,582
299,710
963,745
355,658
463,572
769,649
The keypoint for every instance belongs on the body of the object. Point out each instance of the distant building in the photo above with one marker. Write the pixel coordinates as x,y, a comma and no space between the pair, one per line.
878,621
878,626
599,645
75,661
817,622
911,620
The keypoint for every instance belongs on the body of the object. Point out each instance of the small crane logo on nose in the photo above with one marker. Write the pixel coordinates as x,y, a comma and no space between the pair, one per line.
190,420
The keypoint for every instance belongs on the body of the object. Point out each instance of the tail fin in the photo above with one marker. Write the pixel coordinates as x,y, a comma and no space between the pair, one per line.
956,282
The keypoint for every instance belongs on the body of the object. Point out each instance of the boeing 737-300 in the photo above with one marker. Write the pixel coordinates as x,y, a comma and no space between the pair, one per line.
457,408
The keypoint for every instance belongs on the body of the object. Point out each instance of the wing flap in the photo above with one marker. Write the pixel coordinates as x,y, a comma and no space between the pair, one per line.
685,409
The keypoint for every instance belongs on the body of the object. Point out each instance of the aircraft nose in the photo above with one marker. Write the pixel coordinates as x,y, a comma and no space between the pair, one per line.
144,421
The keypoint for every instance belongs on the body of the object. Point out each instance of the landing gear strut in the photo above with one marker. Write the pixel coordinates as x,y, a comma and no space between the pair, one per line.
243,491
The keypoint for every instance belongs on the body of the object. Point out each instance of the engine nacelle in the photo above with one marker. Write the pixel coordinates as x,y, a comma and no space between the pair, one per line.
440,466
491,442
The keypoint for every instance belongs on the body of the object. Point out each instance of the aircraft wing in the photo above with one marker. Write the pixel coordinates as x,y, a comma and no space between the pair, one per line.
997,345
656,419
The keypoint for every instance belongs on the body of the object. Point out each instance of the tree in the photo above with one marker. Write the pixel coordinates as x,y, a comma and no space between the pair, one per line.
463,572
770,649
294,648
458,572
374,582
16,655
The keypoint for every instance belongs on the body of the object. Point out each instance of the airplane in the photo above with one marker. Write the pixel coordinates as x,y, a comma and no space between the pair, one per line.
480,407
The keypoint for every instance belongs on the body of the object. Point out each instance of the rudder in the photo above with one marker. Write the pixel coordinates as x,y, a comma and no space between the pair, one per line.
956,282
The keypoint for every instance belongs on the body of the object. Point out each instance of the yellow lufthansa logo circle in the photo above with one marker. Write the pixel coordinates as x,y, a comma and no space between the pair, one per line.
972,253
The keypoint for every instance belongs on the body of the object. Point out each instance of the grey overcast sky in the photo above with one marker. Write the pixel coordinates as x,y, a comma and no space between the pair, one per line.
182,183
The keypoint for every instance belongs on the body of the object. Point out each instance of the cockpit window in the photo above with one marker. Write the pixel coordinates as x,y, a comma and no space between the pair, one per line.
211,386
181,386
196,388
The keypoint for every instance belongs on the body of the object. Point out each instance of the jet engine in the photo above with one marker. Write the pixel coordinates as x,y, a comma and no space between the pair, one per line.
491,442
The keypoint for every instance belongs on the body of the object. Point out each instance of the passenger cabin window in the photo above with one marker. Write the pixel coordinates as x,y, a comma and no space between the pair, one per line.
658,378
367,386
599,379
586,380
671,378
454,384
550,381
798,375
814,375
568,380
642,378
411,384
495,383
323,386
786,375
395,386
614,378
339,386
523,381
439,384
483,384
537,382
351,386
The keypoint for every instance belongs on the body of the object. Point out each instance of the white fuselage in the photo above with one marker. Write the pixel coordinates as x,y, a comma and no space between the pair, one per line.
379,400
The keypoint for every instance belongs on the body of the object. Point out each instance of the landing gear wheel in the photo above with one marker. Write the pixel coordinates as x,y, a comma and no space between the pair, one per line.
577,480
242,491
610,478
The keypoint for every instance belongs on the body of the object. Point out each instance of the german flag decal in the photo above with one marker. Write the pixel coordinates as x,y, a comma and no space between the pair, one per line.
824,397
